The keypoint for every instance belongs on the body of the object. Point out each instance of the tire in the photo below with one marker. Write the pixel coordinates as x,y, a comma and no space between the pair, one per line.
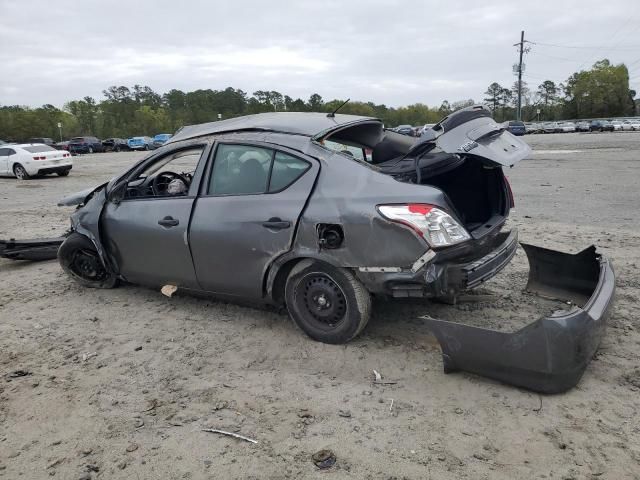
20,172
146,147
117,149
346,303
79,259
63,173
90,150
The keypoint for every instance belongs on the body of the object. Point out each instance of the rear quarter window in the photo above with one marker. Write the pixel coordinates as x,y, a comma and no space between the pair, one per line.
285,171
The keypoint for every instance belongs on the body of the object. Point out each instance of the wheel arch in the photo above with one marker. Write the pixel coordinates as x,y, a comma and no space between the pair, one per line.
278,272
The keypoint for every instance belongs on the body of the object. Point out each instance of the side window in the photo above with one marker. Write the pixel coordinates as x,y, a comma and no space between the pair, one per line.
168,176
286,170
240,170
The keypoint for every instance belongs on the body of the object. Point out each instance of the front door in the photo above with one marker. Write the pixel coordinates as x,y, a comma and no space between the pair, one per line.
247,216
146,231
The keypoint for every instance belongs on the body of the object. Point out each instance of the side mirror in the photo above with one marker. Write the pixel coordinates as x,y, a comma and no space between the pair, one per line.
117,193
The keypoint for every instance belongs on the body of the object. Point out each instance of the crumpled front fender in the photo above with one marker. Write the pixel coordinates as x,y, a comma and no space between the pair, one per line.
551,354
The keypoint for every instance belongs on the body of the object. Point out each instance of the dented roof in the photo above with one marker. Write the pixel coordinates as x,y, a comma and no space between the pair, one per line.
309,124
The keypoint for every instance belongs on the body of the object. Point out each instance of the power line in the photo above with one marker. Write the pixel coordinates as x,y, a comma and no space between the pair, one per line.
586,47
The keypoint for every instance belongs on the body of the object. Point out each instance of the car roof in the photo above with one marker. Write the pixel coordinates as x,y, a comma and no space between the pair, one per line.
309,124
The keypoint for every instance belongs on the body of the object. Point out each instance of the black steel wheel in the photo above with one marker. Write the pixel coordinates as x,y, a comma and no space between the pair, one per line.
329,304
80,260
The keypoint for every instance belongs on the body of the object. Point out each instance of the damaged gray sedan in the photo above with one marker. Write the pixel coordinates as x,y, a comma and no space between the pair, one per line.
320,212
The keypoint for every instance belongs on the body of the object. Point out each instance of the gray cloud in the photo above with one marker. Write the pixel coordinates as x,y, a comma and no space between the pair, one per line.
389,52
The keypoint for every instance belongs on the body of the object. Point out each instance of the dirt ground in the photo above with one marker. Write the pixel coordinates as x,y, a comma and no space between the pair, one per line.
121,382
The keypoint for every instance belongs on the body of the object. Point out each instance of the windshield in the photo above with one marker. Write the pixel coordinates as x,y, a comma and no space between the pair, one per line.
39,149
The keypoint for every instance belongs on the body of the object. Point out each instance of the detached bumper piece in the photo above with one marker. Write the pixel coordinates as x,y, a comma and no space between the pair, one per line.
34,250
551,354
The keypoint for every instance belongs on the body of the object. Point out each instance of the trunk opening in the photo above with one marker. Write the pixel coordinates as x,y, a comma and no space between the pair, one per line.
477,192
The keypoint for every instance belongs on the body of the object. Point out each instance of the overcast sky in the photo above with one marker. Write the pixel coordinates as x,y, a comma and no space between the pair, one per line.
388,52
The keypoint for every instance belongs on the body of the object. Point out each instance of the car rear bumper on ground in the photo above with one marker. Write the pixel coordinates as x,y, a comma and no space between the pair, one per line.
551,354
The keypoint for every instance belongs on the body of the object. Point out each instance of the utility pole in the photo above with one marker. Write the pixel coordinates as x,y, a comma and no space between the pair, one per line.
519,112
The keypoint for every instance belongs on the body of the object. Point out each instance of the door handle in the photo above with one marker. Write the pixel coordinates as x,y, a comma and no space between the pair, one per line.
276,223
168,221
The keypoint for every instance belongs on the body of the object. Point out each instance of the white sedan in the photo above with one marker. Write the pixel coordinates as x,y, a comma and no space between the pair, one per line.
30,159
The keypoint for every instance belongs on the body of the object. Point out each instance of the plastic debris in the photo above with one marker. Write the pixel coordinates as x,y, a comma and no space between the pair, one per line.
168,290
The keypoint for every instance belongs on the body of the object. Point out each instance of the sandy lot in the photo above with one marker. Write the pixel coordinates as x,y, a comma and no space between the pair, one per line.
122,381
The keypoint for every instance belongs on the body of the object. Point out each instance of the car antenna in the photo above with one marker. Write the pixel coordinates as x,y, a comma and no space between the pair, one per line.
333,114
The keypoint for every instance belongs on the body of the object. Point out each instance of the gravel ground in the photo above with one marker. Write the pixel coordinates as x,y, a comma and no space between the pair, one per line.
122,381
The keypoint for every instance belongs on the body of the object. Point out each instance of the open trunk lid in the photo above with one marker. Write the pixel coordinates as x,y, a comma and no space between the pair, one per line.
473,132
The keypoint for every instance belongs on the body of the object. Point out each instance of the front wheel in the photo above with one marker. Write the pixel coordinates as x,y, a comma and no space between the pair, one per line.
80,260
20,172
117,149
90,150
329,304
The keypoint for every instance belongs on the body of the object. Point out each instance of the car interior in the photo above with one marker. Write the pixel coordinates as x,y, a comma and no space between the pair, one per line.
170,175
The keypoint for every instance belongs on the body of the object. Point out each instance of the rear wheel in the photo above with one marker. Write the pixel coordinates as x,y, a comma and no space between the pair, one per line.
63,173
90,150
20,172
80,260
117,149
329,304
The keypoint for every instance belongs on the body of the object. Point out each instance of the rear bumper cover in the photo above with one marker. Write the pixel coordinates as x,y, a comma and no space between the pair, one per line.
551,354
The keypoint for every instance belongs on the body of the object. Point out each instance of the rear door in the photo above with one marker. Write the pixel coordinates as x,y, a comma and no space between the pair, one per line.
246,215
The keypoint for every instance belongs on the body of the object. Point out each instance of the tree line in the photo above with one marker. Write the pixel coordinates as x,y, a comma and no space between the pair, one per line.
603,91
131,111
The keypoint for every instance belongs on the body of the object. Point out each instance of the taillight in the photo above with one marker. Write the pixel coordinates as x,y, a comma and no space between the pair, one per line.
512,202
436,226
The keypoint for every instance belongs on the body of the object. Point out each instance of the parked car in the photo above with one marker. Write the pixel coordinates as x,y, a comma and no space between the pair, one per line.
627,126
2,142
85,145
516,127
617,125
26,160
45,140
567,127
600,126
64,145
635,124
298,223
115,145
405,130
582,126
549,127
160,139
140,143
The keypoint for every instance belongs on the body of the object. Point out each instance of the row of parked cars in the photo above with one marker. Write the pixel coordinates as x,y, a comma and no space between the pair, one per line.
89,144
581,126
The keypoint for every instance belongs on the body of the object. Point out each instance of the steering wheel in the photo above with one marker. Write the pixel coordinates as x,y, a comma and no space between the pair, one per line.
161,182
